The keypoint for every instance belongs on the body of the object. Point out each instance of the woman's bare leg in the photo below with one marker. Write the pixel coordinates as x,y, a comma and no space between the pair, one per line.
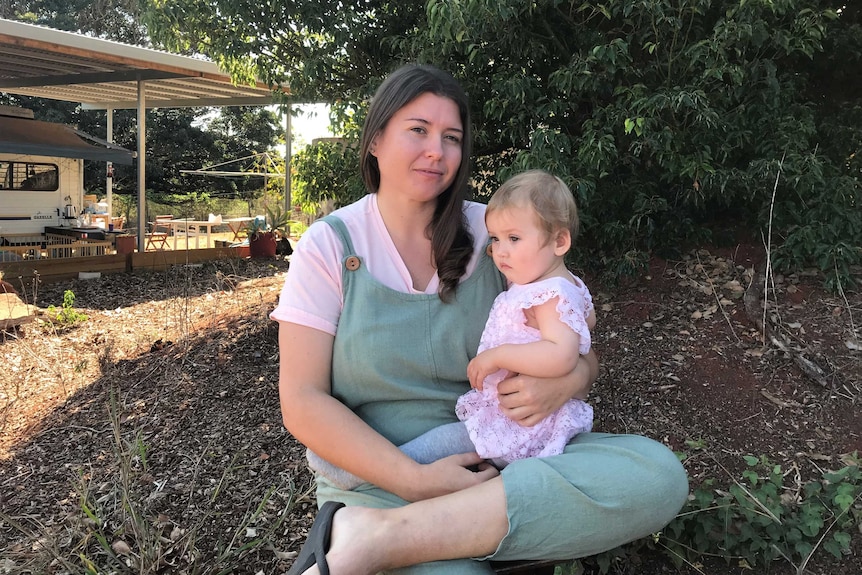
468,523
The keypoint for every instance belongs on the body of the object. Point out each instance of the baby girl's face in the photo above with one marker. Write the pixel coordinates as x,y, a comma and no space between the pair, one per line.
522,250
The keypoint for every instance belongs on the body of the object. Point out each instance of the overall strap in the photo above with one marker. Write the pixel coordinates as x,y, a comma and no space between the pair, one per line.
341,230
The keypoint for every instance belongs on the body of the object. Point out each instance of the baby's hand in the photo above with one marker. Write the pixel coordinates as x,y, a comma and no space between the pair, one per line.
481,367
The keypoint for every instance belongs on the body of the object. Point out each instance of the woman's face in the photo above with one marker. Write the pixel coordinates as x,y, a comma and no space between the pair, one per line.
419,151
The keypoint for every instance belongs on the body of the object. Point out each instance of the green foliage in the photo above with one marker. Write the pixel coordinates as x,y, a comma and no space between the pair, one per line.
661,116
823,229
118,19
323,51
327,171
256,227
755,521
186,139
654,111
664,118
66,315
279,220
760,519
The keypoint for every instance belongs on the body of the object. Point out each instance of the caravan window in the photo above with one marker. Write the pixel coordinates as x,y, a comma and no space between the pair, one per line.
29,176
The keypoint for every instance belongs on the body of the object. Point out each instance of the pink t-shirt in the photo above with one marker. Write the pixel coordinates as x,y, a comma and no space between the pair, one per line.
312,292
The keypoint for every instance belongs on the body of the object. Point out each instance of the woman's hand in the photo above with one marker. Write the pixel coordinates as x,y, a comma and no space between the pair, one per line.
527,400
448,475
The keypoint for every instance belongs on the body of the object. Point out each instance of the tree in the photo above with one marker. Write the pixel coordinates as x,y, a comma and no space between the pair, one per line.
323,51
669,119
321,170
113,19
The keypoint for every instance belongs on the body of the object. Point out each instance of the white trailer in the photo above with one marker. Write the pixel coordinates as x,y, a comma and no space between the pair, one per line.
39,191
42,171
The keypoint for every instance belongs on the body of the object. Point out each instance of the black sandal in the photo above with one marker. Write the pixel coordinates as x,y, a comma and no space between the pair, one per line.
317,544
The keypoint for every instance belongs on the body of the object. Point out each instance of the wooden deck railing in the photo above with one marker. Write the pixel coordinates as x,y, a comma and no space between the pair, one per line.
37,246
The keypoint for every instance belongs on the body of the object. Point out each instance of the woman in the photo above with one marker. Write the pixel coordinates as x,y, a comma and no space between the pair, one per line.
380,314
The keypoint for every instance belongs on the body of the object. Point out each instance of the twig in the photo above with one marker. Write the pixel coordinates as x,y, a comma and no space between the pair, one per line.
718,300
801,568
769,245
766,511
689,563
846,303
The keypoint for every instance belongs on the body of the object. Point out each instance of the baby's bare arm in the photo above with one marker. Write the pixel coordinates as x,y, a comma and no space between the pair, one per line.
554,355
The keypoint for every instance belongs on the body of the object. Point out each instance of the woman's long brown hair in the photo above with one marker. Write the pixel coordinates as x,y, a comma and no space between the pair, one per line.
451,240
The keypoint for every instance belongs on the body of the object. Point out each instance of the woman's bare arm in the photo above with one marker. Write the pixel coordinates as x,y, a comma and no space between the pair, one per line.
334,432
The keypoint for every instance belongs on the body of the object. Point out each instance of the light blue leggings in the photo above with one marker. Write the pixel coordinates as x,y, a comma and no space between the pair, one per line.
604,491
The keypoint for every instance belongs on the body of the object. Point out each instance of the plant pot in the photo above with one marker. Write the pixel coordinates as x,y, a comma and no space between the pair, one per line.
125,244
262,245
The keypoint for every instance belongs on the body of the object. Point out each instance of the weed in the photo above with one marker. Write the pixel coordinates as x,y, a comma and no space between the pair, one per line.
758,520
117,529
66,315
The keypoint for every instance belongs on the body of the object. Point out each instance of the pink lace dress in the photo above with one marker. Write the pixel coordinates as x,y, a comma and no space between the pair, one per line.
495,435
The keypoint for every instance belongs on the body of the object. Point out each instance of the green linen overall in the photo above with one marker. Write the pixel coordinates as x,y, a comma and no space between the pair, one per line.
400,362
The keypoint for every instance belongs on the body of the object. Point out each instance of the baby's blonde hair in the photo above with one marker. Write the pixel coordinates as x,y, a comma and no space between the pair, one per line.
547,194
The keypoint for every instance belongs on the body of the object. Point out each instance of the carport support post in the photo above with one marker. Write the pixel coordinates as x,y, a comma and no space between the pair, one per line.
109,170
288,136
142,148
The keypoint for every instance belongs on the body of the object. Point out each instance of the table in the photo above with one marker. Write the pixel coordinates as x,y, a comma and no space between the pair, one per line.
92,233
236,225
190,227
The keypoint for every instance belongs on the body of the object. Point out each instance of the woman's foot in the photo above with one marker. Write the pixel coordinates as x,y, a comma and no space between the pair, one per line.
354,546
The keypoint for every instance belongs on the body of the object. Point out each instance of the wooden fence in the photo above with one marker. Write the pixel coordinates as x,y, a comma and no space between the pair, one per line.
50,270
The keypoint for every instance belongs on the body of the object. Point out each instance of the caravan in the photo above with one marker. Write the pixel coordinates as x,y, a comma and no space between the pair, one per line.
42,174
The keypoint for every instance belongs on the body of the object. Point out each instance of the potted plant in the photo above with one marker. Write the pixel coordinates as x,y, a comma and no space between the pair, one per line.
280,224
261,239
269,235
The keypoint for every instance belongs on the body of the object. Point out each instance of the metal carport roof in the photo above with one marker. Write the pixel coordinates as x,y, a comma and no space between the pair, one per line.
107,75
32,137
102,74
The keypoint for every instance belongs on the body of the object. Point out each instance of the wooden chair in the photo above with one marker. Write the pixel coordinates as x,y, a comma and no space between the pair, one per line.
156,238
159,224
